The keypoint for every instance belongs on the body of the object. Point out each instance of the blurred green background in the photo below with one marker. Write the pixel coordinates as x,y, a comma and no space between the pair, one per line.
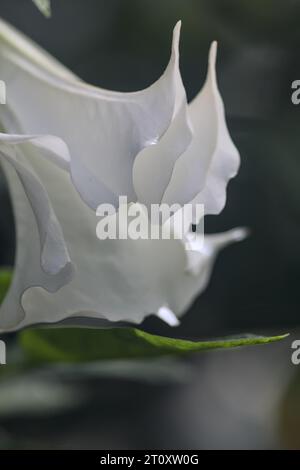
238,399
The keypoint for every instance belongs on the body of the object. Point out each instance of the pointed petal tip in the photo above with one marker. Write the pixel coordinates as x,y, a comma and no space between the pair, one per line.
213,53
176,36
239,234
165,314
221,240
177,26
232,236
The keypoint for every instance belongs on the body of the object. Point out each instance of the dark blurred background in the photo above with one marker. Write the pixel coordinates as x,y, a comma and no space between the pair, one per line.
232,399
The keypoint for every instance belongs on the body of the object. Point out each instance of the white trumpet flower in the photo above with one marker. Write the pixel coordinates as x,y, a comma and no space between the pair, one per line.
69,146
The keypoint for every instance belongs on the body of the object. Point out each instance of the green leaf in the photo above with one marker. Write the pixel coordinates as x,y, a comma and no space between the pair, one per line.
71,345
5,280
44,6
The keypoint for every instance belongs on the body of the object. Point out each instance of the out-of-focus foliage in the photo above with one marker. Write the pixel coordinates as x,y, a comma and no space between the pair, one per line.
5,279
290,413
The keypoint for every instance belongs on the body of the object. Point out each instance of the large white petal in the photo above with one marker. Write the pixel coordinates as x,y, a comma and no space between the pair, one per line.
115,280
153,167
202,172
42,255
104,130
